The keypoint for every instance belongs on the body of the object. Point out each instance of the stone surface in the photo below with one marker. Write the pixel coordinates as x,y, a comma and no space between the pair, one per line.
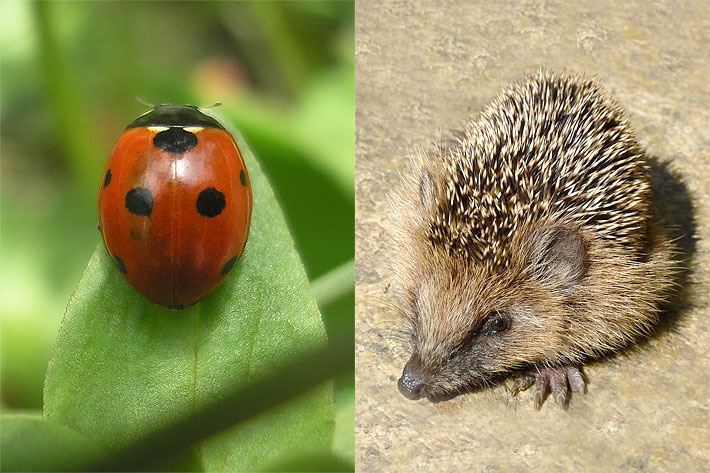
423,68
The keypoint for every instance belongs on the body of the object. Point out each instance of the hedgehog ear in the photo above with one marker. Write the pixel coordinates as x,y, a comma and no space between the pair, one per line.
427,190
560,255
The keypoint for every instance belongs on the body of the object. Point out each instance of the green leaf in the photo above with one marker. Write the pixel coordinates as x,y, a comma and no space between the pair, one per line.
295,378
307,463
124,367
28,443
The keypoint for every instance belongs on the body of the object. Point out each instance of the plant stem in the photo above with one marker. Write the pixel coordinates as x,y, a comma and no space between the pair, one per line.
74,134
335,284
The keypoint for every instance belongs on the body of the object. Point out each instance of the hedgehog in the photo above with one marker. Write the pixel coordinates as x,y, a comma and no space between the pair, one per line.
525,245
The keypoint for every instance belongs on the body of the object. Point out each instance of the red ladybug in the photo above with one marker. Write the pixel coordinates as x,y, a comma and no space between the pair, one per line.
175,204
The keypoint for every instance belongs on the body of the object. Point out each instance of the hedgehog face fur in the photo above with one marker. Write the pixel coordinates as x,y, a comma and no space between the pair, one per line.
527,243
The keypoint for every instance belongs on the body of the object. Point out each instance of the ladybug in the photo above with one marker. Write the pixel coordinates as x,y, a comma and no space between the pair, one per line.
175,204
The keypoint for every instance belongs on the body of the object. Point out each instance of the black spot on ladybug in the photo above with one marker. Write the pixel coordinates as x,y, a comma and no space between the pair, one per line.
139,201
107,178
175,140
229,265
243,178
119,264
210,202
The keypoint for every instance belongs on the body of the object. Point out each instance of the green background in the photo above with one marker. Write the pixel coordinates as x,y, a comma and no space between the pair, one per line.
284,73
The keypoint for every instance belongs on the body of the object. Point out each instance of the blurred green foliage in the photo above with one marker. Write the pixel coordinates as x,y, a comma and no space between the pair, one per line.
284,72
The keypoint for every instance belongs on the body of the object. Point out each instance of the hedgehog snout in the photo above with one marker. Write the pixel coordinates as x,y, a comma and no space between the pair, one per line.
411,383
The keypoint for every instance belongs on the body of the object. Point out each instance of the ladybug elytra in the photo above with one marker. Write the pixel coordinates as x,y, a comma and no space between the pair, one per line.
175,204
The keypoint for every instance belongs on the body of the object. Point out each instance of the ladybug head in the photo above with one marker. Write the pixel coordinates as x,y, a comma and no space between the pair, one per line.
172,115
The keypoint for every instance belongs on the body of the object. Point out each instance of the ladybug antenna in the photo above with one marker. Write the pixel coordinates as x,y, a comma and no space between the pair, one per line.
216,104
144,102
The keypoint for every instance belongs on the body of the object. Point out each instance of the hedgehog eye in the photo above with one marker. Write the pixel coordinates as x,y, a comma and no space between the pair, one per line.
496,323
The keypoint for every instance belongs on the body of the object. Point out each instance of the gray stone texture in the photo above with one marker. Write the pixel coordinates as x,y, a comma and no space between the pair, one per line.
422,69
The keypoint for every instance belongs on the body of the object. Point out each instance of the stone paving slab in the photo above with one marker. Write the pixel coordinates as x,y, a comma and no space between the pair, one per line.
423,68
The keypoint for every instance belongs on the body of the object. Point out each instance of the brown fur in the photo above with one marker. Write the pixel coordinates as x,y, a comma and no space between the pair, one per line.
480,228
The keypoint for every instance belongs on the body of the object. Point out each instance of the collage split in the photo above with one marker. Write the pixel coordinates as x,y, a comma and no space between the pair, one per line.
311,235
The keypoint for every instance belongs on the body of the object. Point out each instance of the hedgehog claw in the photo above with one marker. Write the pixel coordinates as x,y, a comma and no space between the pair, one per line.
559,381
521,383
575,378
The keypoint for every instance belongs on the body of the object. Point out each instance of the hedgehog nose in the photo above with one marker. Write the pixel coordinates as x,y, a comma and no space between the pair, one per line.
411,384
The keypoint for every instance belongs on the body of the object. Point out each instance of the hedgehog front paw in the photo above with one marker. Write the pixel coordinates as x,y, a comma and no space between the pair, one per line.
560,381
